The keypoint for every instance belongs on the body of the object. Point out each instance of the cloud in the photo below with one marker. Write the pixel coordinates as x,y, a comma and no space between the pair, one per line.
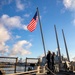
57,49
12,22
4,37
45,10
24,27
19,5
27,15
73,22
4,2
42,55
73,58
3,48
69,4
17,36
21,48
4,34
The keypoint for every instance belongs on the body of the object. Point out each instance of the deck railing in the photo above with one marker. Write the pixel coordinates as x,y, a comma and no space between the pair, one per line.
7,64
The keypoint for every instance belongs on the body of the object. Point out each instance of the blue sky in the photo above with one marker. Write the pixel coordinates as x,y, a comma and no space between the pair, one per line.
16,40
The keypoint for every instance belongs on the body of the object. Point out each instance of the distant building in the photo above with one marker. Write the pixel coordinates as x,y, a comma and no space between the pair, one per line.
20,60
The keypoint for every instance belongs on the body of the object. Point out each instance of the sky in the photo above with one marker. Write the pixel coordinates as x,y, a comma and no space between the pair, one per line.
17,41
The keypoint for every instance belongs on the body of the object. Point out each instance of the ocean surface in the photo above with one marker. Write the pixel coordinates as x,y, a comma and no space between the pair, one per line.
11,70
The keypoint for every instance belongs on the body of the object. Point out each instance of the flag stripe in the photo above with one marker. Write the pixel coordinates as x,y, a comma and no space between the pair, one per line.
32,25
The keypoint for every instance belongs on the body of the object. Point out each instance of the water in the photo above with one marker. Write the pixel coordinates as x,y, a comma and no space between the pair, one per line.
11,70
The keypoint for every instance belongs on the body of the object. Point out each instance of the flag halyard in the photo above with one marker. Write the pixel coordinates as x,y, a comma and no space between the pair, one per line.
32,25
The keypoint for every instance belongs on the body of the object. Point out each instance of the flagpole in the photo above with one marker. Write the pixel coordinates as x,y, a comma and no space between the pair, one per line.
65,45
58,47
41,32
57,42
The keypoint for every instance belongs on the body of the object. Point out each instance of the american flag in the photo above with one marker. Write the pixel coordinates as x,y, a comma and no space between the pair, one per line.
32,25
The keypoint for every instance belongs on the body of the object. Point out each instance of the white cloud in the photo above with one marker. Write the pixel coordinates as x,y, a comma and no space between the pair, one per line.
4,36
17,36
73,58
24,27
21,48
69,4
45,10
73,22
4,2
19,5
42,55
27,15
12,22
3,48
57,49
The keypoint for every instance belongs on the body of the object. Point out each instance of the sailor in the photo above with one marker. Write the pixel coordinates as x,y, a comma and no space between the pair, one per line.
49,59
53,54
